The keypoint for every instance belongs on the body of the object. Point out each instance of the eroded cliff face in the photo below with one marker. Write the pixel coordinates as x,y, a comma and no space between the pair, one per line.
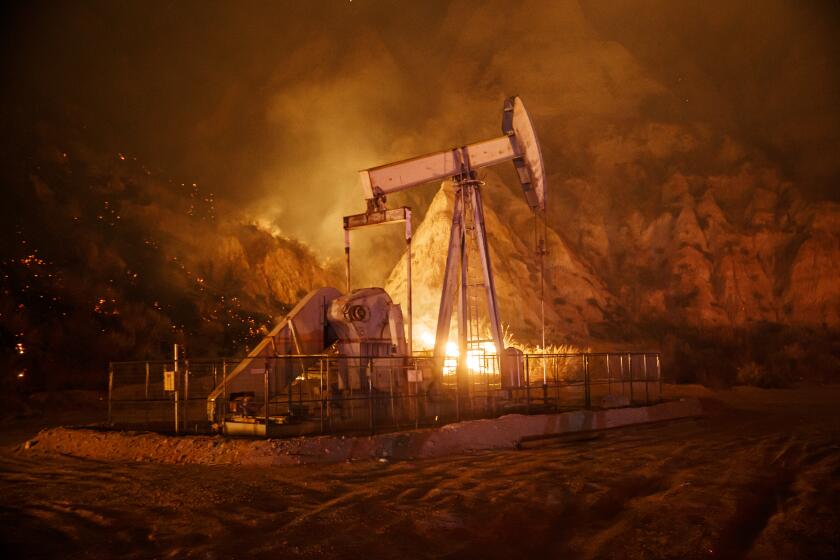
575,294
731,251
706,252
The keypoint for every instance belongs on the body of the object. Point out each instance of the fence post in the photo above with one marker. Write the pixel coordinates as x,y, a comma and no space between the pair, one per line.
321,389
289,366
391,391
457,392
586,388
487,385
305,375
265,395
110,390
645,373
147,380
609,375
659,376
630,371
186,395
621,372
545,380
177,423
175,381
370,396
224,392
329,397
417,386
527,385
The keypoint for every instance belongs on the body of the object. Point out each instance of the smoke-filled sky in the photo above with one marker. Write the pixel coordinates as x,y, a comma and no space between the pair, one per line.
274,106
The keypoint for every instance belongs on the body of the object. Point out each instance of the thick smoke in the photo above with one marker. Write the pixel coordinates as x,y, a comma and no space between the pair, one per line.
107,260
274,107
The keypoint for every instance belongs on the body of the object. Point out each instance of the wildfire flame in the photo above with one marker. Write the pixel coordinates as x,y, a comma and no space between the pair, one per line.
480,360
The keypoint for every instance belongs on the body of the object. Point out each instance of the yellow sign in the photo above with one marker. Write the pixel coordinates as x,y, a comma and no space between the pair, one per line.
168,380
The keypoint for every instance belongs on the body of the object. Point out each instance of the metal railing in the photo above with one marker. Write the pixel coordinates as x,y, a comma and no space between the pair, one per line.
316,394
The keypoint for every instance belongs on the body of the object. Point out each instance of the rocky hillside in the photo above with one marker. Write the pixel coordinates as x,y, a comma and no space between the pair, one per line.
105,259
718,251
709,255
577,296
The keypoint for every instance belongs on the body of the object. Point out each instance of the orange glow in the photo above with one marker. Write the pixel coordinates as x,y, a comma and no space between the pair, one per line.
477,358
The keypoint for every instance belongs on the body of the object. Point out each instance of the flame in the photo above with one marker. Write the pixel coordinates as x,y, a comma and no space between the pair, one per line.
479,360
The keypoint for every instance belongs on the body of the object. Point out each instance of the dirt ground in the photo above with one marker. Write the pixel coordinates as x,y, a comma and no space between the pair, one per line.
759,477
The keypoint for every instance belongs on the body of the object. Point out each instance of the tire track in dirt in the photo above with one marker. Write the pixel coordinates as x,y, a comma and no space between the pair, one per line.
690,489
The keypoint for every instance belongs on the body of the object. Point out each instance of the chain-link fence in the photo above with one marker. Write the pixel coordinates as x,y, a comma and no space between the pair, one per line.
311,394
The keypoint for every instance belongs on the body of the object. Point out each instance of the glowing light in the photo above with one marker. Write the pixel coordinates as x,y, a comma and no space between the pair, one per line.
450,360
480,359
32,260
474,360
20,349
20,375
427,340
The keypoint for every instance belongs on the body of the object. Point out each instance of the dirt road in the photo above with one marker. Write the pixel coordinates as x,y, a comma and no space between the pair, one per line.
757,478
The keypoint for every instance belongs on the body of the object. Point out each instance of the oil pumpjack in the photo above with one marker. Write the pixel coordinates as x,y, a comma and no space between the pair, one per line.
364,328
518,144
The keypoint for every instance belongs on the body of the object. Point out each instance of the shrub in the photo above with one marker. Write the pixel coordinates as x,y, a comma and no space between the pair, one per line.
756,375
